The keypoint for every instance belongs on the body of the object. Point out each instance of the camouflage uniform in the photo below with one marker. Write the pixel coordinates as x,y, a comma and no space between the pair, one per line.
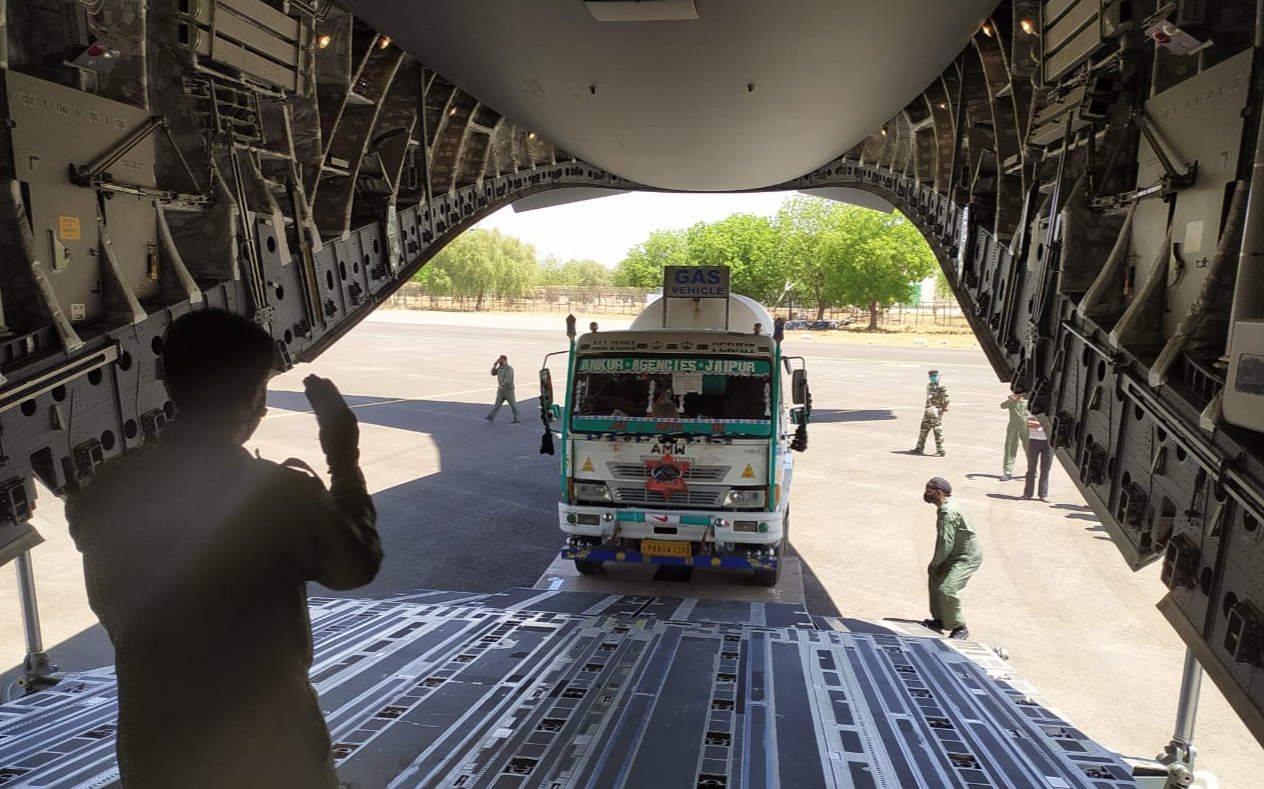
932,419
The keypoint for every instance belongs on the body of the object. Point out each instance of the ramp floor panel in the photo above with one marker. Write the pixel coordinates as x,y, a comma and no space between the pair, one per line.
533,688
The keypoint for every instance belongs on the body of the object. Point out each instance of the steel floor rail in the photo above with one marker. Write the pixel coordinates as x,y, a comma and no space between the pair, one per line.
532,688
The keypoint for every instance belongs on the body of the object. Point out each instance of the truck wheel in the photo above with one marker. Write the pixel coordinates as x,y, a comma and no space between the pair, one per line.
588,566
770,577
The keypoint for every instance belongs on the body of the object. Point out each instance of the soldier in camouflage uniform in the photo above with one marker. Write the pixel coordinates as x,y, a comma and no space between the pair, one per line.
932,419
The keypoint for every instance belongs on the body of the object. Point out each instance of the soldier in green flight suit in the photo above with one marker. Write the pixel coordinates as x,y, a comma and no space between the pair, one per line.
1016,430
932,419
957,556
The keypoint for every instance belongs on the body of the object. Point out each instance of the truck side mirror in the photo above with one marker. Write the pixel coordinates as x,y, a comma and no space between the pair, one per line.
546,389
799,387
547,410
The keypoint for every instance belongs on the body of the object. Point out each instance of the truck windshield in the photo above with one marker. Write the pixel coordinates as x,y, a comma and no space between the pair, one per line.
636,392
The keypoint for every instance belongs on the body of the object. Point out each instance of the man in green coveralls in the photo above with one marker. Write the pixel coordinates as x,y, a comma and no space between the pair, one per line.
197,556
1016,430
504,388
957,556
932,418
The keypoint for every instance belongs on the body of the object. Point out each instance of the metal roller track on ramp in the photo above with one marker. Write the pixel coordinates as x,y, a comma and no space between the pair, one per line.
537,688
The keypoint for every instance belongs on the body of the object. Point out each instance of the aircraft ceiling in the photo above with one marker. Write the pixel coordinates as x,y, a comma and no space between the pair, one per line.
746,95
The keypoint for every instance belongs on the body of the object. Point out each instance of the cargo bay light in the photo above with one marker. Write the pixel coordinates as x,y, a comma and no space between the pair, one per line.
677,434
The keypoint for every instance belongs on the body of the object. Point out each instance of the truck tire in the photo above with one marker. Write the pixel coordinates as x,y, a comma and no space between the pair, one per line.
588,566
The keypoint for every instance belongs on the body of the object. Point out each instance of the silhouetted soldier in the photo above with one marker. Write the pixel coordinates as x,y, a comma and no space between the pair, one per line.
197,556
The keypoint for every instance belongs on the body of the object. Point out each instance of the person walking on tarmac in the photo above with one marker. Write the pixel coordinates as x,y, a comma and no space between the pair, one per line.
1038,452
933,417
957,556
1015,430
504,389
196,557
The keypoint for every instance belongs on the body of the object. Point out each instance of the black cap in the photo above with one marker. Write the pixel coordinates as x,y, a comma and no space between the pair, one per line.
933,372
939,483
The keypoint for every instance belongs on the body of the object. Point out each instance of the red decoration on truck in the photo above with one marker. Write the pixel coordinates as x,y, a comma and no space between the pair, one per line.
667,475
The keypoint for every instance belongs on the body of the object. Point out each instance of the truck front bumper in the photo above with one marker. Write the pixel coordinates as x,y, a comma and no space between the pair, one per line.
745,560
720,527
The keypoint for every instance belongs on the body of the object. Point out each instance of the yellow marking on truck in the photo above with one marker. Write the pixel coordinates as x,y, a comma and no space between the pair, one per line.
749,473
588,466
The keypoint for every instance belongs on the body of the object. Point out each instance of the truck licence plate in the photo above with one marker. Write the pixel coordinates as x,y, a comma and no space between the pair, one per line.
664,548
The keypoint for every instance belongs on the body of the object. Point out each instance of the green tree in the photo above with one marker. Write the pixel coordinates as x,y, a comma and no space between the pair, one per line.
549,272
943,290
516,272
643,266
747,244
802,223
479,263
590,274
875,259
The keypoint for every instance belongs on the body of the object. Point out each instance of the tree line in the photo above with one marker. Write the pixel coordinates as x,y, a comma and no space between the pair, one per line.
481,263
814,252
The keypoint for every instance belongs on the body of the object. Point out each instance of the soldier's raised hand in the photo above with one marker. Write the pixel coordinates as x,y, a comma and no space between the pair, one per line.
339,429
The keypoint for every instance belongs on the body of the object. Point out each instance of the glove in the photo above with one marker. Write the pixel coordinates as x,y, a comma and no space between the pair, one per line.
339,430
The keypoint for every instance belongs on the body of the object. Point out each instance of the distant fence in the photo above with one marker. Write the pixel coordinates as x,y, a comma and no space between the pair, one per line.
899,317
606,301
630,301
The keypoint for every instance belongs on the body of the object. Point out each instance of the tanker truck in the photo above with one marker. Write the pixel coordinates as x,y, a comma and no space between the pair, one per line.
677,433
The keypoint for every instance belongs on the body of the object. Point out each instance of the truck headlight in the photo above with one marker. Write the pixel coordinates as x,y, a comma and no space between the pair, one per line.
592,491
745,497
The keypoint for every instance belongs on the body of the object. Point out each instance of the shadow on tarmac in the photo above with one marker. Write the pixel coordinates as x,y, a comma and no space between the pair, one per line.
1006,497
827,415
87,649
1075,507
485,522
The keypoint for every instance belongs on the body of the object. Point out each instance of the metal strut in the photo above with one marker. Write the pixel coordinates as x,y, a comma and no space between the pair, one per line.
1179,754
37,672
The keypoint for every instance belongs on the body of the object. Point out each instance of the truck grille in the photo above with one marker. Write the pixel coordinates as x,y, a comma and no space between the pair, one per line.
694,474
693,498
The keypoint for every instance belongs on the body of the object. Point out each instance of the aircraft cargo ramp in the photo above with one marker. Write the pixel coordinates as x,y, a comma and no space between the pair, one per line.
533,688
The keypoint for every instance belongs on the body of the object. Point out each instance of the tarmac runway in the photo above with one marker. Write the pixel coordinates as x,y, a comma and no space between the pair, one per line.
471,506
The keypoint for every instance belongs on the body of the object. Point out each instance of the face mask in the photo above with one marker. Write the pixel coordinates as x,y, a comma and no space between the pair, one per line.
934,379
928,497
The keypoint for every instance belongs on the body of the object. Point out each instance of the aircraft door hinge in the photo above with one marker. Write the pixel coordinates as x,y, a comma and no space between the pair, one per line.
1180,563
15,501
1244,634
